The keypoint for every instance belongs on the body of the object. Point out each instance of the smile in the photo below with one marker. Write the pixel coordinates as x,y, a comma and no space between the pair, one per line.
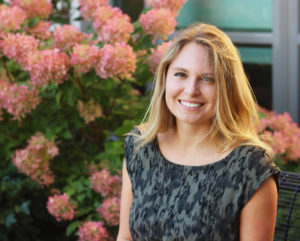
190,104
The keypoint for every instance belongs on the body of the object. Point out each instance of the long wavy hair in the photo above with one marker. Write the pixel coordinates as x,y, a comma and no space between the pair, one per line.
235,119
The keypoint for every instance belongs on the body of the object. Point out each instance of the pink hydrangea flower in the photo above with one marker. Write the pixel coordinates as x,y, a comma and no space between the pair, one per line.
11,18
60,207
157,54
173,5
105,183
84,57
92,231
34,160
282,134
18,100
18,46
40,30
159,22
110,210
89,111
67,36
88,7
116,29
47,66
34,8
117,60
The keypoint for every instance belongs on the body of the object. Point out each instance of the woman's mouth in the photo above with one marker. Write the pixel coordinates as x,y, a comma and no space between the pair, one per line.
190,104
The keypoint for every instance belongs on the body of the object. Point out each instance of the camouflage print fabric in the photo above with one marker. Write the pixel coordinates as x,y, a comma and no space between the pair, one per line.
173,202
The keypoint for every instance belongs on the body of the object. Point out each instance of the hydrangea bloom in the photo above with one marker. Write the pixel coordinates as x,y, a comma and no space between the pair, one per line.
157,54
159,22
110,210
47,66
11,18
18,100
116,60
117,29
34,8
18,46
282,134
60,207
67,36
89,111
173,5
92,231
105,183
40,30
84,57
33,161
88,7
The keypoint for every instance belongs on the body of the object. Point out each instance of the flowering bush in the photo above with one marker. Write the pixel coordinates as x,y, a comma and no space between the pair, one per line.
67,98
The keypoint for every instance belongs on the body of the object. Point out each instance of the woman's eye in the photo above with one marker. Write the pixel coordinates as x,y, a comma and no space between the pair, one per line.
208,79
180,74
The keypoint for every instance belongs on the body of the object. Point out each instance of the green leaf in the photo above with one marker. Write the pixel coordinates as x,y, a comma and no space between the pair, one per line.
25,207
10,220
32,22
72,227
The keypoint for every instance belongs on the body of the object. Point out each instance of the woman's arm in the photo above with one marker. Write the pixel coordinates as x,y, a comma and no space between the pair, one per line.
258,217
126,200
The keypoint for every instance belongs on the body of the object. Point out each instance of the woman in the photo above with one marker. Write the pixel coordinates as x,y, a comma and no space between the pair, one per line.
196,170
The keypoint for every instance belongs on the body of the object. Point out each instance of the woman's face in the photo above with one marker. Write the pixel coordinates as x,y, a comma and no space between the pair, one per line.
190,86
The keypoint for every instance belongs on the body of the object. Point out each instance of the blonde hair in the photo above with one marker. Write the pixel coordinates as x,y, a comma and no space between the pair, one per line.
236,115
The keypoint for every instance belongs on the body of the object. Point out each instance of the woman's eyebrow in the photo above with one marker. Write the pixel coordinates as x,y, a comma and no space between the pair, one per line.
185,70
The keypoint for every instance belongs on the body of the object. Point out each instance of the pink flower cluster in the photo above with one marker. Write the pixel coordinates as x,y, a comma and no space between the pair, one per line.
112,25
47,66
117,60
173,5
159,22
105,183
34,159
18,46
40,30
60,207
11,18
18,100
88,7
157,54
34,8
67,36
89,111
282,134
84,57
110,210
92,231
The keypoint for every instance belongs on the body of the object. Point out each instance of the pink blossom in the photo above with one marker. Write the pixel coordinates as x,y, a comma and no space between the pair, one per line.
105,183
47,66
89,111
67,36
84,57
117,29
18,100
40,30
110,210
60,207
157,54
11,18
159,22
116,60
34,8
34,160
18,46
92,231
88,7
173,5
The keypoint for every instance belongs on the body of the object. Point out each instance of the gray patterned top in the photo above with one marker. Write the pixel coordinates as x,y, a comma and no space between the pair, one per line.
173,202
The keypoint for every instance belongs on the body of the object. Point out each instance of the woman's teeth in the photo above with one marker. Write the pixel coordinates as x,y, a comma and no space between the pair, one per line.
190,105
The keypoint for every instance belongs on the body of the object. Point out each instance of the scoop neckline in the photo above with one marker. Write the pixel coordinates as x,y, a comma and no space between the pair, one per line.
219,162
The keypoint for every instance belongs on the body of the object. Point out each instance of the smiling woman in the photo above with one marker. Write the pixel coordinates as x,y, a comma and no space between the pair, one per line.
196,169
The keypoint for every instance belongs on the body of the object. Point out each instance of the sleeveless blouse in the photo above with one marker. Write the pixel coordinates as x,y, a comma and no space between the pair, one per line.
174,202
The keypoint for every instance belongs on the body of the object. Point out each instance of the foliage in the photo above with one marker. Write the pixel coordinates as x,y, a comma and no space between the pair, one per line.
66,100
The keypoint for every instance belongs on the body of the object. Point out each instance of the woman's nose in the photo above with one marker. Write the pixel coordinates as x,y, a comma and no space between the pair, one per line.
192,87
